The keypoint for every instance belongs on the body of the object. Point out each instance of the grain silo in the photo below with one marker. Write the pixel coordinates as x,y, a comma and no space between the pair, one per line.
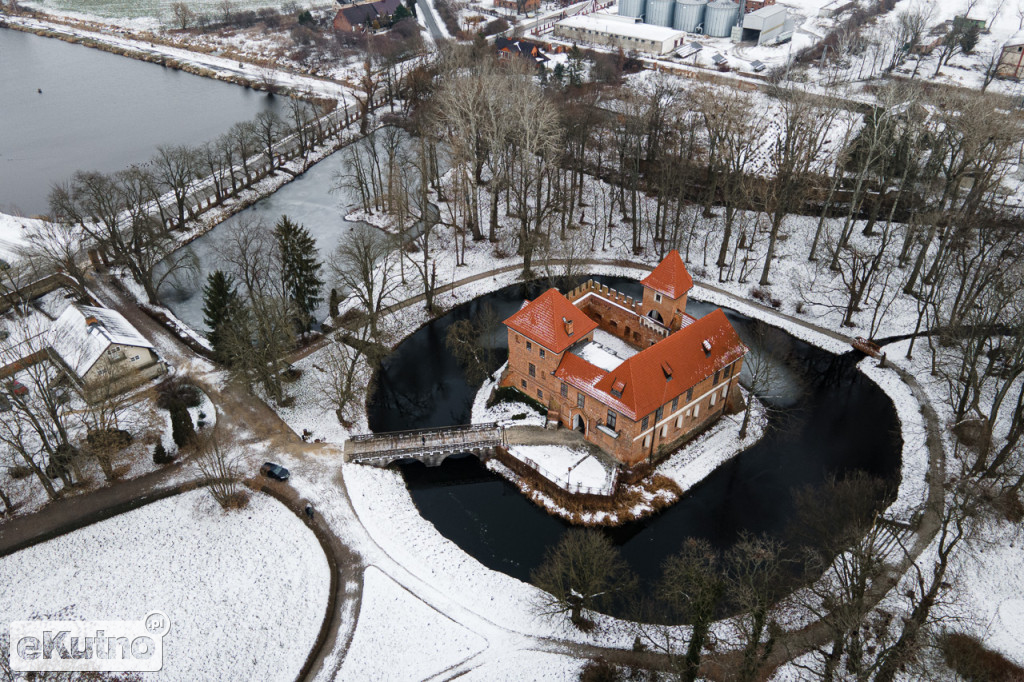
659,12
720,17
689,16
632,8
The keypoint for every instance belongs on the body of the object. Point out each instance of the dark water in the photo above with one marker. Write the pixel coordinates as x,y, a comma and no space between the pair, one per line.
97,111
829,420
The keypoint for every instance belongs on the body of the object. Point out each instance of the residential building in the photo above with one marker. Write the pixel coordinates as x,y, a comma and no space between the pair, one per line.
636,378
507,49
363,15
1011,58
101,351
518,6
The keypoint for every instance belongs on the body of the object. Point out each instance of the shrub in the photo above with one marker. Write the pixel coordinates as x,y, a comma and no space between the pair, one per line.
177,390
494,26
969,658
519,416
182,429
237,500
109,440
160,454
19,472
761,294
599,670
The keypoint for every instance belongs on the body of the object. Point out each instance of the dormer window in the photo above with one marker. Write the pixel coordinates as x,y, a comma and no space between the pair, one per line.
706,345
618,387
666,369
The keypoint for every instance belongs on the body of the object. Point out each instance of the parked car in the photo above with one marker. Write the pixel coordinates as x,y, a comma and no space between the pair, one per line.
275,471
17,388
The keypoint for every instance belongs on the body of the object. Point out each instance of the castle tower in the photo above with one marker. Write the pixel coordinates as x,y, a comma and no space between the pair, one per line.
665,291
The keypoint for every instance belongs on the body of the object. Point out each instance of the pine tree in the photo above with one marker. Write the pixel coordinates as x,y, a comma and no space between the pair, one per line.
300,269
183,431
221,306
160,455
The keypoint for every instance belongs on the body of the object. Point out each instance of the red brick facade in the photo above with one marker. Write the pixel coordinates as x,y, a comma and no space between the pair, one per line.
652,402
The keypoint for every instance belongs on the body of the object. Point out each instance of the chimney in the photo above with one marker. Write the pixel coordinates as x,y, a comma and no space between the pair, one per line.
568,325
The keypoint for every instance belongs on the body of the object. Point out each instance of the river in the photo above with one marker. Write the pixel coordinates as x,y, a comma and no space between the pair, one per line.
97,111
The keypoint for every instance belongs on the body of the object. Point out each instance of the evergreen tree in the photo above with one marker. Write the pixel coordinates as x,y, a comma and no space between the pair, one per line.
575,69
300,270
411,6
221,307
160,455
182,429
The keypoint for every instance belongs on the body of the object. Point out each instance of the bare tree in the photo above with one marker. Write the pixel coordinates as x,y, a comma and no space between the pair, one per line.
60,246
182,14
364,265
221,473
583,572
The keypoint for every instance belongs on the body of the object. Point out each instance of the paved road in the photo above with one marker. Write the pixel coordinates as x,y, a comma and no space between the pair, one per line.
426,11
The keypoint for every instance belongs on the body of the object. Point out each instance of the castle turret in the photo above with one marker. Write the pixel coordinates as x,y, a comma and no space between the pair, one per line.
665,291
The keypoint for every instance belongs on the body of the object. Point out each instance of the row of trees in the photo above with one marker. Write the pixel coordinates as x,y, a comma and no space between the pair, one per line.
129,216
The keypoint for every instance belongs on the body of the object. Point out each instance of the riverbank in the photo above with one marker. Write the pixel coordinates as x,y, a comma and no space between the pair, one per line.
156,49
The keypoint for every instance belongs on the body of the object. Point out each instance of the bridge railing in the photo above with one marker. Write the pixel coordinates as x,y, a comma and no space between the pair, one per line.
423,441
469,428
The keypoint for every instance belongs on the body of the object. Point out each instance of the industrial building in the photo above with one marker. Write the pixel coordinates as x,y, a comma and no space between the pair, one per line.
620,31
768,26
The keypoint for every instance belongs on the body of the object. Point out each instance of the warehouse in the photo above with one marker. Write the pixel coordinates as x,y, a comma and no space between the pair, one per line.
615,31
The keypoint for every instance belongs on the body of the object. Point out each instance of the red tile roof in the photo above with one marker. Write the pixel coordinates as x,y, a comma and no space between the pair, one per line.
644,378
670,277
542,320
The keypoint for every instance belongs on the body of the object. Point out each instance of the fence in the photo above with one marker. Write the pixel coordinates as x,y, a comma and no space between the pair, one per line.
611,484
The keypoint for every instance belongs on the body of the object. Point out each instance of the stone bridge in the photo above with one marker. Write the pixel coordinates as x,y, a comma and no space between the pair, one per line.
430,446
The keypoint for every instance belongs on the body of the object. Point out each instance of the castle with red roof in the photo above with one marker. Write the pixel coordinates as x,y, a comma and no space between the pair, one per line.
636,378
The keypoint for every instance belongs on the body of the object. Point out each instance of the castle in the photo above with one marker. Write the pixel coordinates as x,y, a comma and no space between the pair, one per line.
636,378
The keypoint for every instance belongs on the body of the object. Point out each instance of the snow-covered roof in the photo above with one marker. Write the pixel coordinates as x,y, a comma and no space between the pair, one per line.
670,277
1016,39
552,321
604,23
82,334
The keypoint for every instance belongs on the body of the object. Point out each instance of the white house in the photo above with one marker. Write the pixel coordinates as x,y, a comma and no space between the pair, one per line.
99,348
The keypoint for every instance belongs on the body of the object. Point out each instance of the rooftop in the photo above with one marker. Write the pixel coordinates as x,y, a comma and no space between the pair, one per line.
670,277
82,333
604,23
549,319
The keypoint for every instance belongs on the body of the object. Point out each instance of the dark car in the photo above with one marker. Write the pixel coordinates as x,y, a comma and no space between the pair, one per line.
275,471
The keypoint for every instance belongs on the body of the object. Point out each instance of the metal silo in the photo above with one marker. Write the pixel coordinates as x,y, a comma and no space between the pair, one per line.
720,17
659,12
689,15
632,8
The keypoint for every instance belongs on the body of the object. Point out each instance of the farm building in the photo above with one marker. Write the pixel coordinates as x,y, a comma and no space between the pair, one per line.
1011,58
616,31
363,15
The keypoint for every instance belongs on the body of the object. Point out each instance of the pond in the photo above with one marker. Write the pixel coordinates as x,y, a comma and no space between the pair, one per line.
97,111
829,419
314,200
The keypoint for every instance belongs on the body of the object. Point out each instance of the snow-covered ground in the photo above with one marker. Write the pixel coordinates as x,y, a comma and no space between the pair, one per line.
566,466
246,591
14,232
419,641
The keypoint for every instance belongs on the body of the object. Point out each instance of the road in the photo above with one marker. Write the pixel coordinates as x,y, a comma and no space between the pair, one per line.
427,12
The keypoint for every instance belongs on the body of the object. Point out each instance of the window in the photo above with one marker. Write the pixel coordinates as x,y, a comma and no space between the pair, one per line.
611,420
529,346
696,411
675,403
524,384
517,338
689,395
727,371
542,352
540,394
658,414
645,422
657,298
716,378
664,430
725,392
565,390
135,359
533,370
679,422
647,440
579,400
712,402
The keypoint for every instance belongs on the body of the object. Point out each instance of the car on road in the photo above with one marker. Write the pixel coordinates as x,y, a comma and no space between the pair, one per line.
275,471
17,388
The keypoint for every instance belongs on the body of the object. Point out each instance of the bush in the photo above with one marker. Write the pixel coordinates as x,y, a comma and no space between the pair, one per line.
160,454
599,670
761,294
237,500
182,429
510,394
176,390
969,658
519,416
109,440
19,472
494,26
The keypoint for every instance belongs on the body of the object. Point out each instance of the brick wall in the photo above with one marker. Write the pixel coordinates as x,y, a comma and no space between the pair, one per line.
666,307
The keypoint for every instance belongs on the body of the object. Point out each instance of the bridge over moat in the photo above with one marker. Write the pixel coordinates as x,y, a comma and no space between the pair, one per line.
430,446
